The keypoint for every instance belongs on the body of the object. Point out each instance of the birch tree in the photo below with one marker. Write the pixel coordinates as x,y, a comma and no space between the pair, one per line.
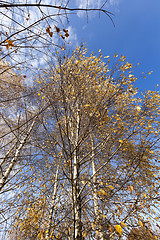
100,146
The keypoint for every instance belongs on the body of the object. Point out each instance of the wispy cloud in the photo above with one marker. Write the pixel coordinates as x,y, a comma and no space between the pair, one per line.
94,4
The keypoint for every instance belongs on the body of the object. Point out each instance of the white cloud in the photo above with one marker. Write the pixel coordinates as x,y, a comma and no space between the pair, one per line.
72,36
89,3
94,4
114,2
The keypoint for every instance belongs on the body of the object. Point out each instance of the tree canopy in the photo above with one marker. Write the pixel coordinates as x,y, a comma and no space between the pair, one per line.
84,158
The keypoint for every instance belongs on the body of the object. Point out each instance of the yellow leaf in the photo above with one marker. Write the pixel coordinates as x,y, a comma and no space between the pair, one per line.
36,219
138,108
140,223
86,105
151,152
131,75
97,232
121,141
40,235
130,188
111,187
9,44
118,229
144,195
102,192
123,224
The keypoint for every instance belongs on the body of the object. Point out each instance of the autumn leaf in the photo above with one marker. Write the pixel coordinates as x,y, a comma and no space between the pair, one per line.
140,223
48,29
40,235
144,195
51,34
123,224
65,30
131,75
57,29
138,108
97,233
36,219
62,36
9,44
102,192
66,34
130,188
118,229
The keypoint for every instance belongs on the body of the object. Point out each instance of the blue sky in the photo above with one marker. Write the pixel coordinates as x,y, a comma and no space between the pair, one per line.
136,35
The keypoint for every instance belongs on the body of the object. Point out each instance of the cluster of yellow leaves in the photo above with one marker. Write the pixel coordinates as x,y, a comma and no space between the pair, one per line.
31,223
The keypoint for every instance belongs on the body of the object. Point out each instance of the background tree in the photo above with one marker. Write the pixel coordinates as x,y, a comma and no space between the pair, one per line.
98,145
18,119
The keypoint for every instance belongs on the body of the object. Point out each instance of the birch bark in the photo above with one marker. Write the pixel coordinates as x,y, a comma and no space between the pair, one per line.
76,187
52,205
95,196
15,158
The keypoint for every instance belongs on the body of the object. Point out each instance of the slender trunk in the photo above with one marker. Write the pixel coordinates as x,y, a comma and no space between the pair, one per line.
52,205
76,187
95,197
15,158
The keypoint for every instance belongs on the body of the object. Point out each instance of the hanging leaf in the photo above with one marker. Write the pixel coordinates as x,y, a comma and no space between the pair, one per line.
123,224
48,29
140,223
9,44
57,29
130,188
144,195
118,229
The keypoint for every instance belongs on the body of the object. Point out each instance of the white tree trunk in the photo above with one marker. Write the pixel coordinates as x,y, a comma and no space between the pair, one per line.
95,197
52,205
76,187
15,158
